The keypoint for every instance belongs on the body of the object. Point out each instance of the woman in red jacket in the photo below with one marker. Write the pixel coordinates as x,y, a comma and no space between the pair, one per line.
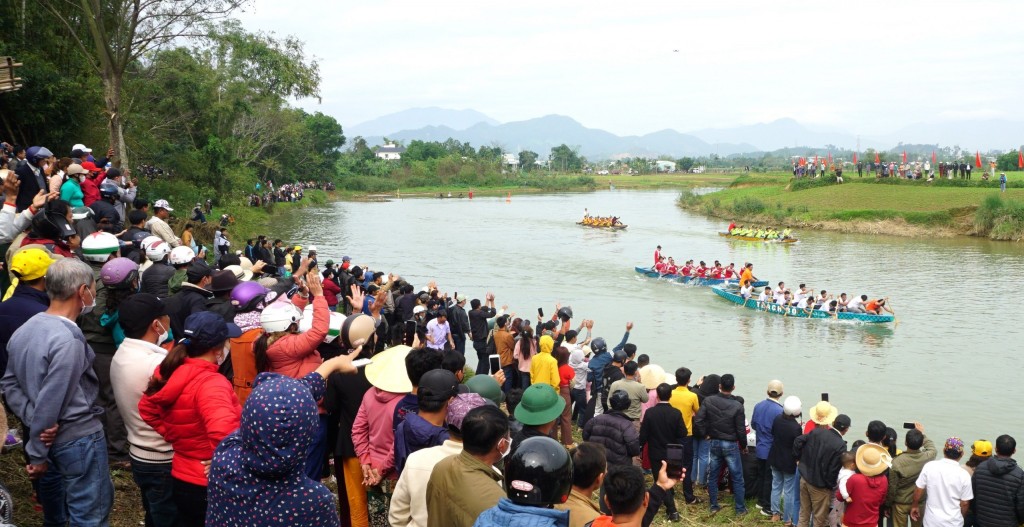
868,487
282,349
193,407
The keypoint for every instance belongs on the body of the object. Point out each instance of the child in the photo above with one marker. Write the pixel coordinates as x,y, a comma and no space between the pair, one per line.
842,497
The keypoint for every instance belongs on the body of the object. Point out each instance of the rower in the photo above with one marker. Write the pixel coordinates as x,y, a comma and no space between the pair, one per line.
732,226
671,268
702,270
779,291
786,233
875,307
660,266
688,268
657,255
729,272
747,276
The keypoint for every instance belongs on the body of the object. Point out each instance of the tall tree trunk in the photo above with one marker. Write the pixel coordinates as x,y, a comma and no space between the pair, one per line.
115,126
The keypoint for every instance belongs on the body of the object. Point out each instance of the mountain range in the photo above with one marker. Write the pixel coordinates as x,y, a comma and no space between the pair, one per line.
542,133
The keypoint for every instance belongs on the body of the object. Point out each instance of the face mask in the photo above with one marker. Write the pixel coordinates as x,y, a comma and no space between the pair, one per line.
508,448
164,335
224,356
86,309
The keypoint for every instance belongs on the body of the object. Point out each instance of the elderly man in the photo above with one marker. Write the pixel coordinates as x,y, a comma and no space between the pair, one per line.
50,384
158,223
948,486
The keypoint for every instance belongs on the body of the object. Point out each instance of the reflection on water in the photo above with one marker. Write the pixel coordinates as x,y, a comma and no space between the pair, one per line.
954,350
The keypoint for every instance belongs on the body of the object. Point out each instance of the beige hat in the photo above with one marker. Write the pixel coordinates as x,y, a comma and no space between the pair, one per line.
240,273
387,371
652,375
824,413
775,388
75,169
873,459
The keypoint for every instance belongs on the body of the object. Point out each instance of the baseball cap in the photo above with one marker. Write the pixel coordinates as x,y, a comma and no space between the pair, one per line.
90,166
842,422
775,388
81,147
460,298
140,310
982,448
438,385
31,264
198,269
206,329
74,169
346,258
460,406
162,204
954,444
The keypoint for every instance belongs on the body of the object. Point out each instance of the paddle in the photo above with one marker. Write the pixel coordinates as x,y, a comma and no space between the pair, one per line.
895,321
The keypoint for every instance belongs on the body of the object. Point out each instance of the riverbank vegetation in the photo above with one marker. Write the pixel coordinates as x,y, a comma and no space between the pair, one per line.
885,206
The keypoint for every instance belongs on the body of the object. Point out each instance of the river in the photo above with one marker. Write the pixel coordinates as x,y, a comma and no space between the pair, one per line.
951,362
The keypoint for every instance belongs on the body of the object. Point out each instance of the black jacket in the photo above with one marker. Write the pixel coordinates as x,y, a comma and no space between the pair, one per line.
191,299
998,485
610,374
107,217
279,257
785,430
155,280
618,435
478,322
29,186
820,454
721,417
662,425
223,307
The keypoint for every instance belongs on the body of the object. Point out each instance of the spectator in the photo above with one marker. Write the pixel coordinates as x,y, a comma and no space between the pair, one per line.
948,486
616,432
636,391
867,487
426,428
538,411
479,332
537,476
687,402
32,175
998,487
761,422
71,190
819,454
625,498
906,468
158,223
50,380
663,426
785,482
721,419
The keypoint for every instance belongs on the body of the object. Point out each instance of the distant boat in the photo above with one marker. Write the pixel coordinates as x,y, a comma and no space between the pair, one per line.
795,312
619,227
693,280
756,239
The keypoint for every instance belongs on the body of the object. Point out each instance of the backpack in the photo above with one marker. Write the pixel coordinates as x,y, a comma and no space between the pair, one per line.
243,362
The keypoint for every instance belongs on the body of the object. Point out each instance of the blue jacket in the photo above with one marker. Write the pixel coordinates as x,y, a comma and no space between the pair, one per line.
601,360
508,514
15,311
257,477
415,433
761,421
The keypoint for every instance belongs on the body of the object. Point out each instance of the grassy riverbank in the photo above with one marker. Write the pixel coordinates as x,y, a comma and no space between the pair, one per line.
867,205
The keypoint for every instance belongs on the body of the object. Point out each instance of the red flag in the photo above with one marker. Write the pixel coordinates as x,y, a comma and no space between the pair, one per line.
877,159
934,159
977,159
1020,159
855,158
815,159
802,161
830,158
904,156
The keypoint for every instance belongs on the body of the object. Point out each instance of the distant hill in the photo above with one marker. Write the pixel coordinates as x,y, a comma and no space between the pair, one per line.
781,133
415,118
969,135
543,133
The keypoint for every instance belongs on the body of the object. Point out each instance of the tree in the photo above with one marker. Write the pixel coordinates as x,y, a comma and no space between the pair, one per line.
1008,161
565,159
684,164
114,34
527,160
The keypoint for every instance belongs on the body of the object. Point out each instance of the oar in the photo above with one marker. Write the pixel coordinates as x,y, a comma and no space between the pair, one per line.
895,321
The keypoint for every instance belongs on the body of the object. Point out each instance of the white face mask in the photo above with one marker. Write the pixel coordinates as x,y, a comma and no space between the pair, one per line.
86,309
224,357
508,448
164,335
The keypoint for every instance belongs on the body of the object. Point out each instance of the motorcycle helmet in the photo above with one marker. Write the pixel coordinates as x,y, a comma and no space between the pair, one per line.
156,248
119,273
618,400
52,225
565,313
40,154
539,473
598,346
182,255
108,190
620,357
334,326
98,246
246,295
279,316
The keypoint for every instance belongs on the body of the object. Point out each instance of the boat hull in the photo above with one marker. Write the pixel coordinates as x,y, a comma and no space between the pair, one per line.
800,313
691,280
609,228
756,239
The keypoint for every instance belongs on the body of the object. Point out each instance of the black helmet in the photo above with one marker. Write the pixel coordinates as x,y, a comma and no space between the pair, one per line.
565,313
620,356
538,473
618,400
598,345
108,190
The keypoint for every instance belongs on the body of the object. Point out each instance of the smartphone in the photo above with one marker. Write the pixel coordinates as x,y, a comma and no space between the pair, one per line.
824,396
909,426
361,362
495,363
674,459
540,312
410,332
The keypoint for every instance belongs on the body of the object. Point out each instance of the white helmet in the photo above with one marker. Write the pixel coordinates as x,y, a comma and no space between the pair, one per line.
181,255
279,316
792,405
337,319
98,246
156,248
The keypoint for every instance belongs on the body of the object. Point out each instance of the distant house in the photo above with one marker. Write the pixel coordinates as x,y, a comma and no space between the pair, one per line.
390,152
511,160
666,166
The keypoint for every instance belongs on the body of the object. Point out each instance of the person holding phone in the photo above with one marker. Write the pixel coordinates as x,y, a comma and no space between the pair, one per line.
663,432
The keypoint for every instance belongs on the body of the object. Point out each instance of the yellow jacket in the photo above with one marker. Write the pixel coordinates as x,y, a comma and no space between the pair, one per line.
543,366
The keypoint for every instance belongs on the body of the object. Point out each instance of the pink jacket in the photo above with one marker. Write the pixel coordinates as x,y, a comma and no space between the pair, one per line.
372,432
295,355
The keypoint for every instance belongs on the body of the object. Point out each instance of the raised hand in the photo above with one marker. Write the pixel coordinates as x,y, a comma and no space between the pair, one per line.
314,284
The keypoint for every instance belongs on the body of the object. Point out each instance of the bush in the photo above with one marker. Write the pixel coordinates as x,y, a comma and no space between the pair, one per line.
748,206
805,183
688,199
1000,219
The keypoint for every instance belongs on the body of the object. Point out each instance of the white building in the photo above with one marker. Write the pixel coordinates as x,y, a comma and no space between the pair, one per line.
666,166
511,160
390,152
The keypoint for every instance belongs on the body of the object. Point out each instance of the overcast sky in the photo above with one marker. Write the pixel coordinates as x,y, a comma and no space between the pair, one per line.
867,67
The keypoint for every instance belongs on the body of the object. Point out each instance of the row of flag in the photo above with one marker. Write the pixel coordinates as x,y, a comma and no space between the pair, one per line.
977,159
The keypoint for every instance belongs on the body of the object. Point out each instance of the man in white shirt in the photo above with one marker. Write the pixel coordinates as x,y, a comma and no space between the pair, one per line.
146,325
158,223
779,291
856,304
766,295
948,486
439,332
409,502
